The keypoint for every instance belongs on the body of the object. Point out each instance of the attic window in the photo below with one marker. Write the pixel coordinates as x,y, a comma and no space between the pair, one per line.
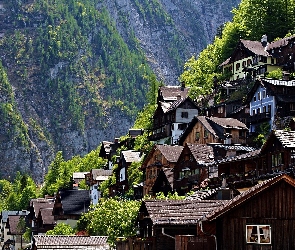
184,114
258,234
197,136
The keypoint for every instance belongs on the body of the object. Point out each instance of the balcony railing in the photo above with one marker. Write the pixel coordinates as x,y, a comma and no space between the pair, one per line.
259,118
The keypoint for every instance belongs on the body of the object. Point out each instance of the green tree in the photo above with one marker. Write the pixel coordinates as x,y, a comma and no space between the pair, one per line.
111,217
61,229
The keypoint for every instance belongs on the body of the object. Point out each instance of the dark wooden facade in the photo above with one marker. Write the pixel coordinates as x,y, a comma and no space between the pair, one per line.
268,205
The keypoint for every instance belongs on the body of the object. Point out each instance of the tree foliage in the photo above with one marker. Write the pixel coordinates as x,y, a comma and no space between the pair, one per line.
60,171
252,19
61,229
111,217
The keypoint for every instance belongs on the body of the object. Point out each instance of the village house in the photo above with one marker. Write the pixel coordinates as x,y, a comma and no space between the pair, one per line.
194,165
260,218
204,130
77,177
127,157
69,204
42,242
108,150
174,111
41,222
283,51
271,101
249,59
93,179
9,233
160,158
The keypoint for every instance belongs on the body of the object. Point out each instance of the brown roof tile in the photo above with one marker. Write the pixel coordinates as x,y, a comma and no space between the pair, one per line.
228,122
202,153
280,43
179,212
55,241
170,93
171,153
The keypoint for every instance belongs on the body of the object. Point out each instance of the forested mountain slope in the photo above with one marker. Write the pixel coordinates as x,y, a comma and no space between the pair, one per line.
74,73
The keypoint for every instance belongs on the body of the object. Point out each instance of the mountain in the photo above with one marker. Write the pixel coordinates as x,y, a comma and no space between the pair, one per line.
75,73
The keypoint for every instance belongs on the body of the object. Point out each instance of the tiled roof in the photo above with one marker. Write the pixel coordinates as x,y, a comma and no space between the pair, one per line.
207,125
171,93
131,156
203,194
280,43
202,153
39,203
13,222
287,138
228,122
47,216
248,155
79,175
75,201
238,200
71,242
99,174
171,153
179,212
290,83
5,214
234,147
255,47
169,175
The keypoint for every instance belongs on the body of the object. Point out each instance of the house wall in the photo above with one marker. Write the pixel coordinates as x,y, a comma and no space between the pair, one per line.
273,207
199,128
178,127
260,103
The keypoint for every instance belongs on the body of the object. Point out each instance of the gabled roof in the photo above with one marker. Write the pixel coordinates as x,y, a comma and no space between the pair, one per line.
47,216
39,203
228,122
79,175
286,138
74,201
177,103
171,153
171,93
178,212
213,126
249,155
80,242
280,43
13,221
202,153
254,47
131,156
247,195
5,214
101,174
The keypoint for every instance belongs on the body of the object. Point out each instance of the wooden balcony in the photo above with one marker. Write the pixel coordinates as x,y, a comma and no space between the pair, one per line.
257,118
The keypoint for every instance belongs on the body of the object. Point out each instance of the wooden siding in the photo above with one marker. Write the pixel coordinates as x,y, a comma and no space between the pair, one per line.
191,138
274,207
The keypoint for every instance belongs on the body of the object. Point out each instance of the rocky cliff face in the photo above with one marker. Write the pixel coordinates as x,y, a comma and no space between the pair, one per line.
172,32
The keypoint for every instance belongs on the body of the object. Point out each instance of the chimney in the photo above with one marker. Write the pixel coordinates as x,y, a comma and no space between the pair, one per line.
264,41
286,76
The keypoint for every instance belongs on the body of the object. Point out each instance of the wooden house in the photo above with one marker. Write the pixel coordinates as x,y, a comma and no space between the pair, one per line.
278,152
93,179
174,111
69,205
108,150
192,167
163,220
127,157
42,242
35,218
249,57
161,157
204,130
283,51
262,217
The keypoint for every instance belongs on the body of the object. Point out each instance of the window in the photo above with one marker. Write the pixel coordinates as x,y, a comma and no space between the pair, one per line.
182,126
197,136
237,66
205,133
263,94
258,234
258,96
264,109
254,98
184,114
